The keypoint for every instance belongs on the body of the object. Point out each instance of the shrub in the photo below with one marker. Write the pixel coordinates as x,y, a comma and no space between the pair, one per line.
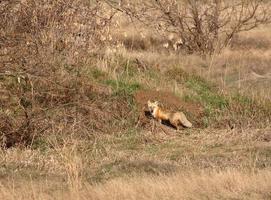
201,26
43,46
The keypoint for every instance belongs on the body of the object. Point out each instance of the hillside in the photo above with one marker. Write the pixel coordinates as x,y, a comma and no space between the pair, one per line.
80,129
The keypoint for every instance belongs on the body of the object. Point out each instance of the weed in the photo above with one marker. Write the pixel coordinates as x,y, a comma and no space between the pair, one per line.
97,74
206,95
123,88
202,91
41,144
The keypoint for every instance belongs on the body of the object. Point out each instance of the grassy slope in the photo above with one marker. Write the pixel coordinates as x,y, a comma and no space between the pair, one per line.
211,162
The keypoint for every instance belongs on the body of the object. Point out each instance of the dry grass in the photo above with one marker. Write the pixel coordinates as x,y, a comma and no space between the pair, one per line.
142,165
204,185
133,153
73,128
242,66
228,184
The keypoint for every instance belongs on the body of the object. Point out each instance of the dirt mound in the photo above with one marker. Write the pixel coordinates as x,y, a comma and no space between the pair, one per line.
169,101
74,107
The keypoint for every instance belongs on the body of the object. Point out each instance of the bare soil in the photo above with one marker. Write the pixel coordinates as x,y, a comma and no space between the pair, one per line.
169,101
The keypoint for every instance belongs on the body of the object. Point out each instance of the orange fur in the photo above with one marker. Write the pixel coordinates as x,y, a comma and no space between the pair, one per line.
175,118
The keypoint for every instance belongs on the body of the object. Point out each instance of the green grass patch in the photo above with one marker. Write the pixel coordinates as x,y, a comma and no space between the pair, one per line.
206,94
243,100
121,87
231,107
202,91
97,74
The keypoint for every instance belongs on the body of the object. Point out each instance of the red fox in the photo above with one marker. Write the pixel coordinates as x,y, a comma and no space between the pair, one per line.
175,118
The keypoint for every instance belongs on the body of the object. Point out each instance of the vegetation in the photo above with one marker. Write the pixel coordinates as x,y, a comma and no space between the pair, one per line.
200,26
75,77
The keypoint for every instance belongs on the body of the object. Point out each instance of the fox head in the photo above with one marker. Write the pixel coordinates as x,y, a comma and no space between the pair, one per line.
152,105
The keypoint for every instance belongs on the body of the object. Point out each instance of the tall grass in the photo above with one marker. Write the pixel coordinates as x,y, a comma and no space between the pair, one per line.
68,120
228,184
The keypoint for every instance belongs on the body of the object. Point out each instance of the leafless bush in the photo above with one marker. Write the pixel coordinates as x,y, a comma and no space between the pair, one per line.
43,45
43,32
202,26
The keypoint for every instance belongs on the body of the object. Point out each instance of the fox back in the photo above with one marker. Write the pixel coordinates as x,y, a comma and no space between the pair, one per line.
175,118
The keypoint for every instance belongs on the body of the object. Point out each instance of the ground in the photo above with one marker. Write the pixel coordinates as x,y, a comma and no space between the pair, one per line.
89,136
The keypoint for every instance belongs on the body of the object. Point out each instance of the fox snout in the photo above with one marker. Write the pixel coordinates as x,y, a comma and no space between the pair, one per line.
152,106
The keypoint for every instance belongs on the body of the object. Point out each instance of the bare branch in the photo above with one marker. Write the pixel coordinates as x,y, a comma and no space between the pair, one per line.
202,25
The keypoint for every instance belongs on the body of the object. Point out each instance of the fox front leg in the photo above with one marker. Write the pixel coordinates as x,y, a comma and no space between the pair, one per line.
176,126
177,130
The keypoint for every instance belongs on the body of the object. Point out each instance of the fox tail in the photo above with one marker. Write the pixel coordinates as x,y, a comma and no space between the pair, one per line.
184,121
